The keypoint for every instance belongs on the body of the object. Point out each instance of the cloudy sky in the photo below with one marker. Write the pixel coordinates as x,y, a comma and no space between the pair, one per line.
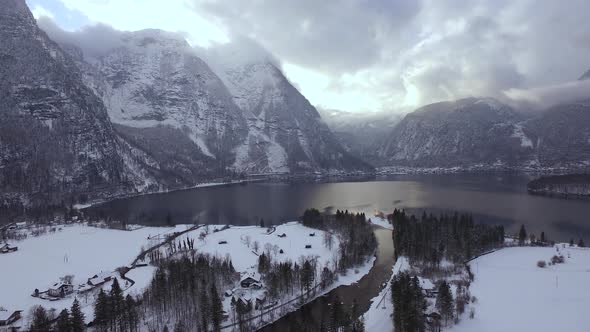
371,55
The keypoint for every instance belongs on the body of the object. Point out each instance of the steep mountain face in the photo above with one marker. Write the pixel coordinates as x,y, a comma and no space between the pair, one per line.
167,104
561,135
361,133
285,132
465,132
55,134
586,75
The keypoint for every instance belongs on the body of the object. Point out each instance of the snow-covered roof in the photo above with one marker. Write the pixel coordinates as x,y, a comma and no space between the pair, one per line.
253,275
5,314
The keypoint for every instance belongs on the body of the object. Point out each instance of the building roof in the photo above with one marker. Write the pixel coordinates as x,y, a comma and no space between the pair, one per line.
5,314
253,275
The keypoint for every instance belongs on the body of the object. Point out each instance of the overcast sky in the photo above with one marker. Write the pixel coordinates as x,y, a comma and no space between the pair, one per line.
371,55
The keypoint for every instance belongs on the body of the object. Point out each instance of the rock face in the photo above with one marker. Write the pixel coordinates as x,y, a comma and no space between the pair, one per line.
486,133
465,132
167,103
55,133
285,132
361,133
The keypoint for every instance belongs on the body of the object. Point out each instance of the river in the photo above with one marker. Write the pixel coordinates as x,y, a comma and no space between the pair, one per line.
311,316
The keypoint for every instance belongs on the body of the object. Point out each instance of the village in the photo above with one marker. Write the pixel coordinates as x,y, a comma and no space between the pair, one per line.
74,259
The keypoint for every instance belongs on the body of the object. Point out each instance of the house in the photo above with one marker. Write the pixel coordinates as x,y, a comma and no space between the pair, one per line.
6,248
222,242
60,289
9,317
251,280
99,279
308,246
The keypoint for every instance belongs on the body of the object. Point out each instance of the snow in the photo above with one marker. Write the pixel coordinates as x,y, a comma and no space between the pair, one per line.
79,250
142,276
378,317
379,221
516,295
243,255
525,142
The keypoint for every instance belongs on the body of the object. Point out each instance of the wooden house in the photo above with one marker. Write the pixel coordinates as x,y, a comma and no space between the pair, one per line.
9,317
60,289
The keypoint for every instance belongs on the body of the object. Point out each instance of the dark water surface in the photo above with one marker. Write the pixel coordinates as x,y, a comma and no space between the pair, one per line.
497,197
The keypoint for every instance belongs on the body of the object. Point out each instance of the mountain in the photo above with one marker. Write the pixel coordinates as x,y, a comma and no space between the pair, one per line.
361,132
55,133
585,76
167,104
464,132
561,135
285,132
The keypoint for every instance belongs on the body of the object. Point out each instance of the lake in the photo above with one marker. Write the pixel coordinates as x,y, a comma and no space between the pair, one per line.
492,197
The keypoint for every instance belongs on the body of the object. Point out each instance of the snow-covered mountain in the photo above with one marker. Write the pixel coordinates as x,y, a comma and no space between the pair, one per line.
464,132
167,104
361,133
285,132
55,133
486,132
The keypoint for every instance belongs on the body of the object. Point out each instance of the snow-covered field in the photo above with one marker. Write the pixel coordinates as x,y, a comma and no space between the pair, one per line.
78,250
83,251
516,295
241,241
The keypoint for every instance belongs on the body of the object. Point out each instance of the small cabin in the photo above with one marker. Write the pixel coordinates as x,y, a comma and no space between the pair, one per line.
60,289
9,317
308,246
222,242
6,248
99,279
311,234
283,235
281,251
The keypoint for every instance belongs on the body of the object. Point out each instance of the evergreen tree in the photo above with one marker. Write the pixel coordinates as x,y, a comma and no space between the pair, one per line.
543,237
116,302
77,317
40,322
581,243
131,314
216,309
358,321
444,301
63,321
101,310
261,222
522,235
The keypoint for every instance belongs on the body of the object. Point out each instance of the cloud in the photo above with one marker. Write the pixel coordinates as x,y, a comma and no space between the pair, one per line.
93,40
548,96
402,54
39,11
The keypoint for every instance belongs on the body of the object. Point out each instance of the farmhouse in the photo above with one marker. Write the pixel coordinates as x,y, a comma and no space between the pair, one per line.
99,279
9,317
60,289
251,280
6,248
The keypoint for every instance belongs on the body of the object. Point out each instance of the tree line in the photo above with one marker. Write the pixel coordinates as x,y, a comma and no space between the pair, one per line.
450,236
